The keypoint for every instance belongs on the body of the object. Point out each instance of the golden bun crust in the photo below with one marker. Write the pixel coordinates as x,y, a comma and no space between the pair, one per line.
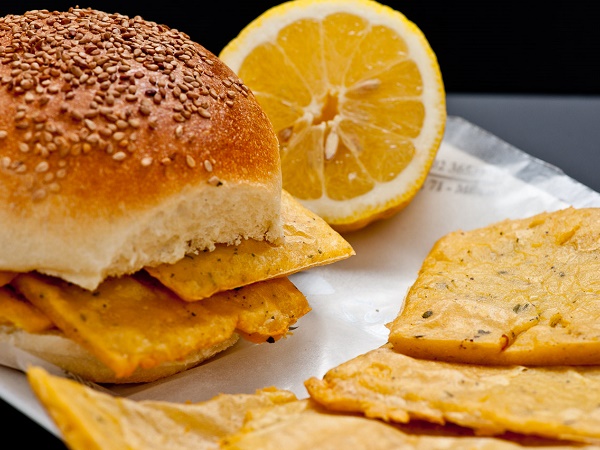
68,355
124,144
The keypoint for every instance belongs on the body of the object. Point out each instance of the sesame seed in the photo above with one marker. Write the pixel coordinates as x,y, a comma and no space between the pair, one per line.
42,167
145,109
90,124
105,132
118,136
119,156
92,139
190,161
208,165
76,115
39,149
122,124
39,194
46,136
146,161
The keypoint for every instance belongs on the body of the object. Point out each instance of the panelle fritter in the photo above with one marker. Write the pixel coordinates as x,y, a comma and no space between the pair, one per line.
268,419
521,291
550,402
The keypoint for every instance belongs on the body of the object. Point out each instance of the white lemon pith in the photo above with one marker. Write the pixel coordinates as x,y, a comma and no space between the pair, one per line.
355,94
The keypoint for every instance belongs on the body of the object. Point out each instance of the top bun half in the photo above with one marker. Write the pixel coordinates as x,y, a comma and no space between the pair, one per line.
124,144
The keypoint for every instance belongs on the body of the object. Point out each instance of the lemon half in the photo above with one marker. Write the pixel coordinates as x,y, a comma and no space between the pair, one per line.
355,94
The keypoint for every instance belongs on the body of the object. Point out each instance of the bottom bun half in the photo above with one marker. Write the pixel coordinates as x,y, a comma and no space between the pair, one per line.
69,356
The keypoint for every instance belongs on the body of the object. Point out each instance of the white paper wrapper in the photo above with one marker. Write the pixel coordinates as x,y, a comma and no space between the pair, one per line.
476,180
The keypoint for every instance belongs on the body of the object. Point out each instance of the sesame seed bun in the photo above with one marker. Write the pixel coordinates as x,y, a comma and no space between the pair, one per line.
124,144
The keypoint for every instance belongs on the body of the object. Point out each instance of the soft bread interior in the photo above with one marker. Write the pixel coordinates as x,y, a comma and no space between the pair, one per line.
195,218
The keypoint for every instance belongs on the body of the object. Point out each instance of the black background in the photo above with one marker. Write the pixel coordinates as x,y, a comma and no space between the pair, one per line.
482,46
498,47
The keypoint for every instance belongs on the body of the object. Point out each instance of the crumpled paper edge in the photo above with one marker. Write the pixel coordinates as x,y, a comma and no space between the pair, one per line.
478,143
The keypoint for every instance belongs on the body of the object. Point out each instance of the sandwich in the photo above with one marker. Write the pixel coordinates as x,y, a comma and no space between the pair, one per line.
143,223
